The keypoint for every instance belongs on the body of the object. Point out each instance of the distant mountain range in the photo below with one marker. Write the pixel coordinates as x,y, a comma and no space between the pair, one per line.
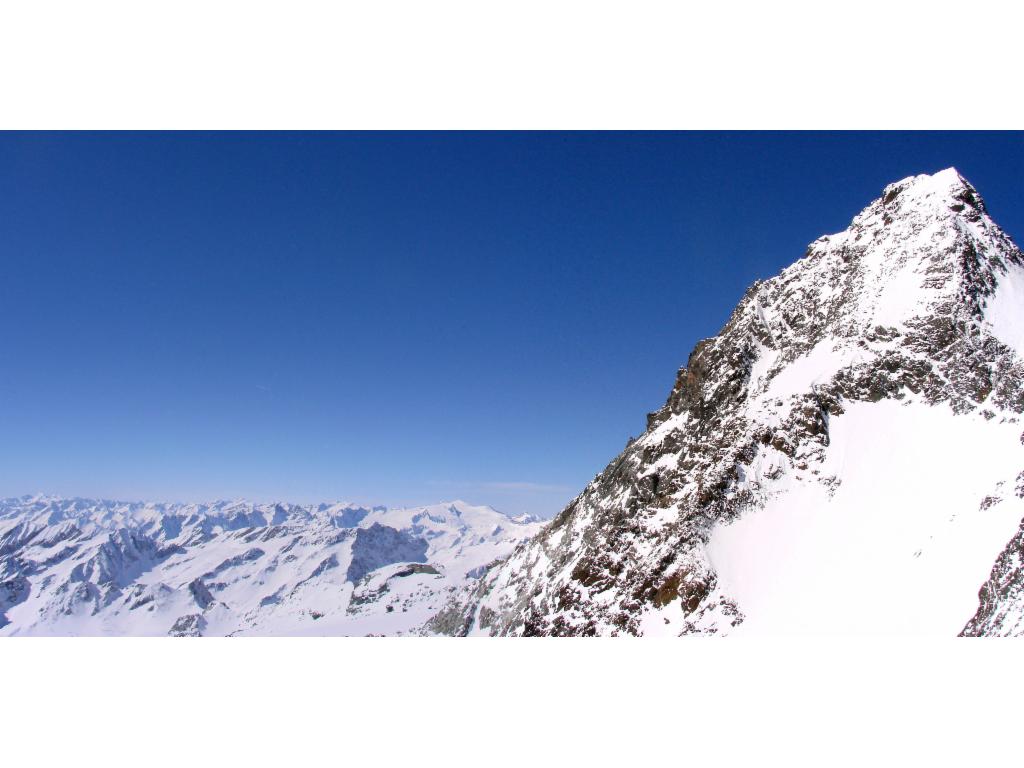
96,567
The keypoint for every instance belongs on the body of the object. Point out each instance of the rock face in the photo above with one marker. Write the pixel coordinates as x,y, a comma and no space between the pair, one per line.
92,567
1001,612
822,464
380,545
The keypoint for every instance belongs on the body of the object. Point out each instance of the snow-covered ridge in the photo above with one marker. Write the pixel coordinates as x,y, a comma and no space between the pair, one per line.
88,566
844,456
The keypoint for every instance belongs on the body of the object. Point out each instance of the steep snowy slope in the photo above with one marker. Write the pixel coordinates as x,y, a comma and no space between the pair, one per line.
845,456
79,566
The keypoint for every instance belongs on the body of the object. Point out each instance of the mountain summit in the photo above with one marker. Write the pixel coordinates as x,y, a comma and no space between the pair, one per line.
844,456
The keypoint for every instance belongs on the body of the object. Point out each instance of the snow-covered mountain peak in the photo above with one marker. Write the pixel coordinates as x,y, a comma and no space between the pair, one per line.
943,188
855,425
918,267
920,227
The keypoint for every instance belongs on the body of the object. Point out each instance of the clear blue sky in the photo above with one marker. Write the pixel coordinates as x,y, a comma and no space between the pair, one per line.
393,318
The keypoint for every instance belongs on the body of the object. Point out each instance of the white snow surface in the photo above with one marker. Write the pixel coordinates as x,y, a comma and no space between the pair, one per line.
1003,314
903,543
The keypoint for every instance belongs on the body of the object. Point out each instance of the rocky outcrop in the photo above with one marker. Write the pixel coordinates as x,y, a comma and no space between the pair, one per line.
381,545
190,625
1001,599
12,592
200,593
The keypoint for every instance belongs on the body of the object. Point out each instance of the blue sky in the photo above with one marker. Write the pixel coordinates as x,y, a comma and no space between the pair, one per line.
394,318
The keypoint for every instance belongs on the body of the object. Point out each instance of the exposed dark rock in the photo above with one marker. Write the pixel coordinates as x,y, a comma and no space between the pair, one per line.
380,545
1002,595
200,594
190,625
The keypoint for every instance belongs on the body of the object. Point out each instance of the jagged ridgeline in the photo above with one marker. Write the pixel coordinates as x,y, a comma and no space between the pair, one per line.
844,456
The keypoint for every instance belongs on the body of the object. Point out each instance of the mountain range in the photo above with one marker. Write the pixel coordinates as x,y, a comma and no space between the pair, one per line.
94,567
